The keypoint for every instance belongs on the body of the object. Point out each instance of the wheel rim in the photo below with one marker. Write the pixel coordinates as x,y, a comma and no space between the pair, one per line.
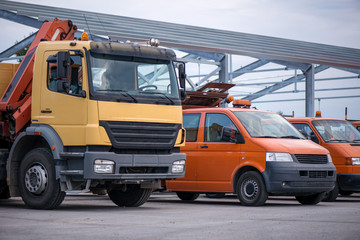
250,189
36,179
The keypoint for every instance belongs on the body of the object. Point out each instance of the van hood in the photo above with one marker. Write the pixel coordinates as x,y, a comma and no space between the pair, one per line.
346,149
292,146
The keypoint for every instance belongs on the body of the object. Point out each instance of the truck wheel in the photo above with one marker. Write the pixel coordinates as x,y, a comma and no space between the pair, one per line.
311,199
4,190
133,196
38,185
251,189
187,196
332,195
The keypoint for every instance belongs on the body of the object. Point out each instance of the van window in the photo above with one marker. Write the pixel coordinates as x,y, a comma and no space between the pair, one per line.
214,123
306,130
336,131
267,125
191,124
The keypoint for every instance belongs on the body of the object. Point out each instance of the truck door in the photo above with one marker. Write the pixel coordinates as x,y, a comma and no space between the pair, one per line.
219,158
65,111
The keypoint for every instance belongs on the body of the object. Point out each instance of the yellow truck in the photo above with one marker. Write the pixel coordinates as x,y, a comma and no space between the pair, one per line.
80,116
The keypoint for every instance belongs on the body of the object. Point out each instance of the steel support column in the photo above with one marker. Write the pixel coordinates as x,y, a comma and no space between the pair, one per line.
309,91
224,71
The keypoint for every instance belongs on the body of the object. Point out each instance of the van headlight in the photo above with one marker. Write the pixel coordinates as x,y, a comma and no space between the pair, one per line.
329,158
104,166
278,157
178,166
355,160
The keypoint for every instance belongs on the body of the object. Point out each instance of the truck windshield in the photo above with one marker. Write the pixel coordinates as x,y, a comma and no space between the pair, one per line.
267,125
336,131
133,79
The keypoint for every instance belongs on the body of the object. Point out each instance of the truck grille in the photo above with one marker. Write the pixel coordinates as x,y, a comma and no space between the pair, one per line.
141,135
311,158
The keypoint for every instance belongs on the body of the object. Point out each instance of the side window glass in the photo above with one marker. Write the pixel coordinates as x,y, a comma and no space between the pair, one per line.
214,123
191,124
306,131
75,80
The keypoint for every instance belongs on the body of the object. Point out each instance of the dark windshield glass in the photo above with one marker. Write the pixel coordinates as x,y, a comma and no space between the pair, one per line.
133,79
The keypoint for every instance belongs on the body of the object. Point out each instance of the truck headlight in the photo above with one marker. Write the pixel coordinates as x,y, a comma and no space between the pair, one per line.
278,157
355,160
103,166
178,166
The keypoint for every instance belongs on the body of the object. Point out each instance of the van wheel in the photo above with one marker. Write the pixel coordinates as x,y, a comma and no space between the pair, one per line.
251,189
311,199
131,196
345,193
332,195
187,196
38,185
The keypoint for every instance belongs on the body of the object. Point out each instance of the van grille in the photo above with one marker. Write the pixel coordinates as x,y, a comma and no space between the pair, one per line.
317,174
141,135
311,158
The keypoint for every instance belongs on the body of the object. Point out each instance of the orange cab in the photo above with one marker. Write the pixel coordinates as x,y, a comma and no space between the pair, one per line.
343,142
357,125
251,153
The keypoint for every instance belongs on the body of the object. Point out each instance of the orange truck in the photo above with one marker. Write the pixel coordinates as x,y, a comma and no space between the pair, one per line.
251,153
343,142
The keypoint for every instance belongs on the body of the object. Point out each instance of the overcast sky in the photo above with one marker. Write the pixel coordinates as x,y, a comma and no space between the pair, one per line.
334,22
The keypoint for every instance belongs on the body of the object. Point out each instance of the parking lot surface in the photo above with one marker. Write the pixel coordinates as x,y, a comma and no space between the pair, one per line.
164,216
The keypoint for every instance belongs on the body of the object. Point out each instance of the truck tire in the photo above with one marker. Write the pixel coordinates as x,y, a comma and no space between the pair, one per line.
187,196
38,185
133,196
251,189
311,199
4,190
332,195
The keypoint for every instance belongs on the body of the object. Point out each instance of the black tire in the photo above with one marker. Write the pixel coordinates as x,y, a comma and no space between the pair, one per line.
4,190
38,185
132,196
332,195
251,189
311,199
345,193
187,196
215,195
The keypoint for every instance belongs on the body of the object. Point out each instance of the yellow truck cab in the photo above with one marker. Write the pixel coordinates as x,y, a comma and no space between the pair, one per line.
343,142
251,153
104,116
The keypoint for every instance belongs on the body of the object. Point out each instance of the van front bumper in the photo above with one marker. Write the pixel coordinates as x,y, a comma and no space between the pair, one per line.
291,178
349,182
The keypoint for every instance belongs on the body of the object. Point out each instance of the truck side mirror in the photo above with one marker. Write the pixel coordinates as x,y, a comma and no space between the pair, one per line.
62,86
182,75
63,64
231,135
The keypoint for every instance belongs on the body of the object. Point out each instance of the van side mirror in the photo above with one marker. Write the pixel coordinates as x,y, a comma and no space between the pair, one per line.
314,138
231,135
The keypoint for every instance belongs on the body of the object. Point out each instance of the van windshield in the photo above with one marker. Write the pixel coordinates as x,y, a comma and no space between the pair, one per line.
267,125
336,131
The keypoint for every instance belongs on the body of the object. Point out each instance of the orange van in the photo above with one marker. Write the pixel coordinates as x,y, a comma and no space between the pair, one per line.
357,125
251,153
343,142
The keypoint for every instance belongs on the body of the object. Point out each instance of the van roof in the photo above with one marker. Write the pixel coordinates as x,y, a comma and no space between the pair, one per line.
312,118
221,109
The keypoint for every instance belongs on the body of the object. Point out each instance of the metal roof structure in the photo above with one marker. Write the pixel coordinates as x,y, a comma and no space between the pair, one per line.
203,45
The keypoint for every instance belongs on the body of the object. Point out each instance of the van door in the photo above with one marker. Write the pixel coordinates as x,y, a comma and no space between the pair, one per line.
219,159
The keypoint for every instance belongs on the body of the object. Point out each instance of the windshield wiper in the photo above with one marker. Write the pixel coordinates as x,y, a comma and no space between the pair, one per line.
291,136
123,92
162,94
266,137
337,140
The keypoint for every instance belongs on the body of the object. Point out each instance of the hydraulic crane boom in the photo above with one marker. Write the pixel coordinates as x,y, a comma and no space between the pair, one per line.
15,104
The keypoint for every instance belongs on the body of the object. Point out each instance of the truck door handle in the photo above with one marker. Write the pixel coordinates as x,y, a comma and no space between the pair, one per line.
204,146
46,111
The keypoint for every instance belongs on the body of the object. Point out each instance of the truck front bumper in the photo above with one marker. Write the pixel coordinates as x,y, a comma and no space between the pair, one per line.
291,178
134,166
349,182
